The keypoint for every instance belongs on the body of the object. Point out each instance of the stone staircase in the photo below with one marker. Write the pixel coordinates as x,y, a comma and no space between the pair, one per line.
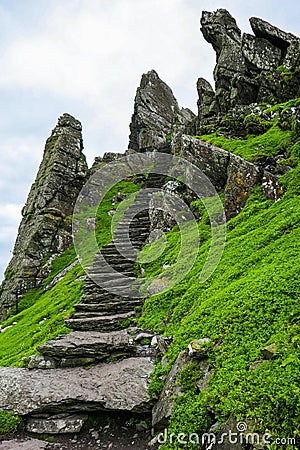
101,308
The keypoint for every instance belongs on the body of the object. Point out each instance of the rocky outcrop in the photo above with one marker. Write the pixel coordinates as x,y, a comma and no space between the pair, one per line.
228,172
249,69
45,229
155,112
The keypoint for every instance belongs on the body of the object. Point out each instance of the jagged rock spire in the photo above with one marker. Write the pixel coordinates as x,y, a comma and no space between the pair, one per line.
155,111
246,70
45,229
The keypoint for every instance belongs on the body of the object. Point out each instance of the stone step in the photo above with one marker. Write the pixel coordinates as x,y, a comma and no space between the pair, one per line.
98,273
88,344
112,255
109,306
100,323
115,260
107,283
121,246
94,297
136,222
119,239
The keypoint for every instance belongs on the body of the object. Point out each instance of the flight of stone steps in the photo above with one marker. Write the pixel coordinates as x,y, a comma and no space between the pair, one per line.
110,298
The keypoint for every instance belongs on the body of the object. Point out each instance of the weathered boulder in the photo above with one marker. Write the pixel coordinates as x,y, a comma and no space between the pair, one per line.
228,171
271,186
212,161
46,226
121,386
155,112
269,352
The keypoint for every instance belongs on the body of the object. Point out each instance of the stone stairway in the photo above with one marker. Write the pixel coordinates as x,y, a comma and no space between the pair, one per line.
101,308
105,363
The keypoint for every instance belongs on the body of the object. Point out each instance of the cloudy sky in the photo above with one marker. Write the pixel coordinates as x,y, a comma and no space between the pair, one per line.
86,57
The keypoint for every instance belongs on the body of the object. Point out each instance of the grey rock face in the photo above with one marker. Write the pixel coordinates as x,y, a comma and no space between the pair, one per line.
261,53
103,387
212,161
228,171
46,227
279,38
206,100
246,69
155,111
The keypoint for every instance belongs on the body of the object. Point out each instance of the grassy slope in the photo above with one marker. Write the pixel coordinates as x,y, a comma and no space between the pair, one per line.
252,300
42,314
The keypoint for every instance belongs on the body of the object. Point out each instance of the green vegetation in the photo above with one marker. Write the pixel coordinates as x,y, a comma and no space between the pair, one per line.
42,319
42,314
9,422
281,134
251,301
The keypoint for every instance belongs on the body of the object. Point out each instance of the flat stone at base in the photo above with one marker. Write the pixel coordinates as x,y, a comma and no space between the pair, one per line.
28,444
56,424
120,386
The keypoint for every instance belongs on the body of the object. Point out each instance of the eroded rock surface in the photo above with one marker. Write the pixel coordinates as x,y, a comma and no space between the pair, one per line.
155,110
46,226
103,387
249,69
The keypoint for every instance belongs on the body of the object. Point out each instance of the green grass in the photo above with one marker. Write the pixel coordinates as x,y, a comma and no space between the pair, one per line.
40,322
9,423
251,301
282,135
42,314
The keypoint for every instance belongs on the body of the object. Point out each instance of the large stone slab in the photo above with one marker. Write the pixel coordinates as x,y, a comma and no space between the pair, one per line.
85,344
121,386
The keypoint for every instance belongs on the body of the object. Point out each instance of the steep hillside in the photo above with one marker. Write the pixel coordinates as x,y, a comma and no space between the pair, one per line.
250,302
226,350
